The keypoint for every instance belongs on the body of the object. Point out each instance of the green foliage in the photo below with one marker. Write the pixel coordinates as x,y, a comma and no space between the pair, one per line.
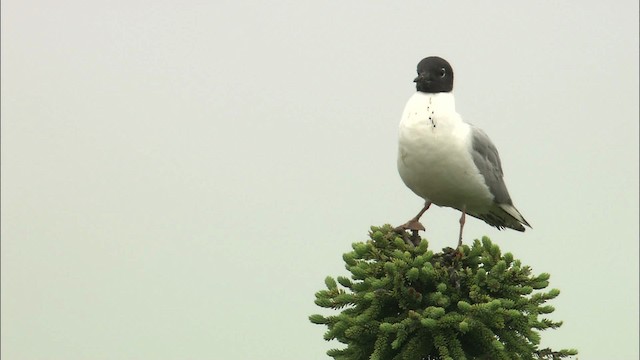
403,302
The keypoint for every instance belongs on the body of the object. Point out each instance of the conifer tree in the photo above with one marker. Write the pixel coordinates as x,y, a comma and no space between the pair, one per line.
404,302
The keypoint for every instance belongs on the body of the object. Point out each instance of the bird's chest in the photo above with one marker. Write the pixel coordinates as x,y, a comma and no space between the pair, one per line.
434,159
434,147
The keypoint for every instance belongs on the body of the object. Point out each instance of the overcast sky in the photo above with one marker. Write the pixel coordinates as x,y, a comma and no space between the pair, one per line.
179,177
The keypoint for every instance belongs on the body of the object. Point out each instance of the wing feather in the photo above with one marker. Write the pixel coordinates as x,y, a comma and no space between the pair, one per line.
486,158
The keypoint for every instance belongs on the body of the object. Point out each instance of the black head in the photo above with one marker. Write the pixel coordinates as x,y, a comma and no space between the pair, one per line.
434,75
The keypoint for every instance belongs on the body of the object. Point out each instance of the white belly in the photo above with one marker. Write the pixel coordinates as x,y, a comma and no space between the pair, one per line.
434,158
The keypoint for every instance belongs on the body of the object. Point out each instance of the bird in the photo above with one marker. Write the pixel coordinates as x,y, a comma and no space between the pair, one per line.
447,161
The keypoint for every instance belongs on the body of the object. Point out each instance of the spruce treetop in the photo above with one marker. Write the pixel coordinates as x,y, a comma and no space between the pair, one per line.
403,301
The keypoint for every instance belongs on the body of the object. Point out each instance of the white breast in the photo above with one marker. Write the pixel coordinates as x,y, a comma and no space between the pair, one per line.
434,155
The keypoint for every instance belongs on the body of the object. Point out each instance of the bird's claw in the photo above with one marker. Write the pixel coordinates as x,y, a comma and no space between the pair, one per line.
413,225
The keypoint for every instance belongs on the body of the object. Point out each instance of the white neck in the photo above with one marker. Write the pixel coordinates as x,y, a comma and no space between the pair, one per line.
443,101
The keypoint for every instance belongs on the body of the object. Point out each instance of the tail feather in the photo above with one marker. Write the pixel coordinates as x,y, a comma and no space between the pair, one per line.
504,216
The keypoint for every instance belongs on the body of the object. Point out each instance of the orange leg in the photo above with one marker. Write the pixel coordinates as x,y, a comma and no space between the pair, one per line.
414,224
462,220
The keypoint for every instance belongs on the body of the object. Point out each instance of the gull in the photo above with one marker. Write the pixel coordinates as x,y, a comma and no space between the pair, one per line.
447,161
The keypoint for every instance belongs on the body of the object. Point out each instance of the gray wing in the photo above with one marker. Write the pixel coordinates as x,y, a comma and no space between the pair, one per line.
485,156
487,160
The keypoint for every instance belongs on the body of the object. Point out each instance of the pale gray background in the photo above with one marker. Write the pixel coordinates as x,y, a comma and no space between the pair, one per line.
179,177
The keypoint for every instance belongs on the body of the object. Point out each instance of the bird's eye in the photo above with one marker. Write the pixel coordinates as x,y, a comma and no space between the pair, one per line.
443,72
